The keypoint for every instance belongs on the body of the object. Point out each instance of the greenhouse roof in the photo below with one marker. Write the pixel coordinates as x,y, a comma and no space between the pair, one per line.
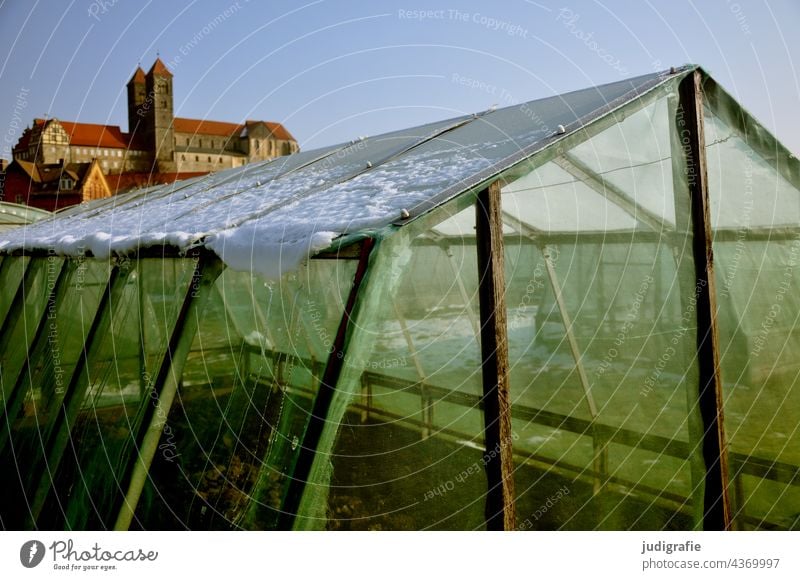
269,216
13,215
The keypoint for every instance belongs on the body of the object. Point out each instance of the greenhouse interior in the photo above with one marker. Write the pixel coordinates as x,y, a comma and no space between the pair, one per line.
576,313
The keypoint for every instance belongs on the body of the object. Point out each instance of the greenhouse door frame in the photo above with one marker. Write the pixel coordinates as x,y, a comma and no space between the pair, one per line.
690,126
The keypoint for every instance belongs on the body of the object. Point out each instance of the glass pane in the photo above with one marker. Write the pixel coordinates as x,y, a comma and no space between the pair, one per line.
634,157
409,448
37,394
602,334
90,482
756,216
244,399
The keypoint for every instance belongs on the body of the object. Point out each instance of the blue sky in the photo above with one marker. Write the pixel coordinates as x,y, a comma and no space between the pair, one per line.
334,70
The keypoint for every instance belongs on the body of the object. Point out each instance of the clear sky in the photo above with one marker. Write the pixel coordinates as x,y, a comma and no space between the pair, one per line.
332,70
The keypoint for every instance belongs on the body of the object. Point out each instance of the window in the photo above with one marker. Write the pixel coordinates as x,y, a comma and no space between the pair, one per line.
187,141
209,158
201,144
183,157
197,158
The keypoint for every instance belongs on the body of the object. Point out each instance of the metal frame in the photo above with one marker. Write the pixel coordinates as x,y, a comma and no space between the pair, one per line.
57,438
324,398
207,270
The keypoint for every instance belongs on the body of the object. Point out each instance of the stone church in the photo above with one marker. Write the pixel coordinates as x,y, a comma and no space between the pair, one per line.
157,142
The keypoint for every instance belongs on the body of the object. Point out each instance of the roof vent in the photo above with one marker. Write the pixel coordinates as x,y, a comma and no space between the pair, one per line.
560,130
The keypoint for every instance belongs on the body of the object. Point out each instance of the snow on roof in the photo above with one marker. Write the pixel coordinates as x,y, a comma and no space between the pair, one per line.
268,217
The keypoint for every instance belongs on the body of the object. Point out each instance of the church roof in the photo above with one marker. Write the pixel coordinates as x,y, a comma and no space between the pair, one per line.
224,129
160,69
138,76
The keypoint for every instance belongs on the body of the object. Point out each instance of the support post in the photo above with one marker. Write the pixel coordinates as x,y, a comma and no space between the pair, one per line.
207,270
689,123
499,461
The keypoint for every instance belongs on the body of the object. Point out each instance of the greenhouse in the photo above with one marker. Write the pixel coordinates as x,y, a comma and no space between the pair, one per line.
577,313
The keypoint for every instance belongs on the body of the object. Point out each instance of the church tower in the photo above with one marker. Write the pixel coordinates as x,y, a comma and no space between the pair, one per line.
137,93
159,133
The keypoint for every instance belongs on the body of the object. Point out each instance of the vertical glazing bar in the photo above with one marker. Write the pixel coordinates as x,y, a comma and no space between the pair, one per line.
426,404
57,439
499,461
18,303
689,120
165,385
13,399
322,401
600,447
13,285
681,248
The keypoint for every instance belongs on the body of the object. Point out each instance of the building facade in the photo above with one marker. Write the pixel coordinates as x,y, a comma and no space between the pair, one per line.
157,142
54,186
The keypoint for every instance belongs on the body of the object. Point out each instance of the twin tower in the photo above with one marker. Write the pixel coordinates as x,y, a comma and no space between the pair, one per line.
150,114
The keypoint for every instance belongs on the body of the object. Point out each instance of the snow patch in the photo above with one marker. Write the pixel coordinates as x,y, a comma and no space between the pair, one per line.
261,248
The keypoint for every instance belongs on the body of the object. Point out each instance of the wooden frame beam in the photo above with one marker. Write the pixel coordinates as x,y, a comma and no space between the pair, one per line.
498,459
689,124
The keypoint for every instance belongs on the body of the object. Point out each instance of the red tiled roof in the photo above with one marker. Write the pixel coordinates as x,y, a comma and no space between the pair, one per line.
199,127
138,76
160,69
221,128
90,135
123,182
278,131
24,140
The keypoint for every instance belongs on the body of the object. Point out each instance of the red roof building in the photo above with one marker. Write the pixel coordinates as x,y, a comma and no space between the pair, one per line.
157,148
